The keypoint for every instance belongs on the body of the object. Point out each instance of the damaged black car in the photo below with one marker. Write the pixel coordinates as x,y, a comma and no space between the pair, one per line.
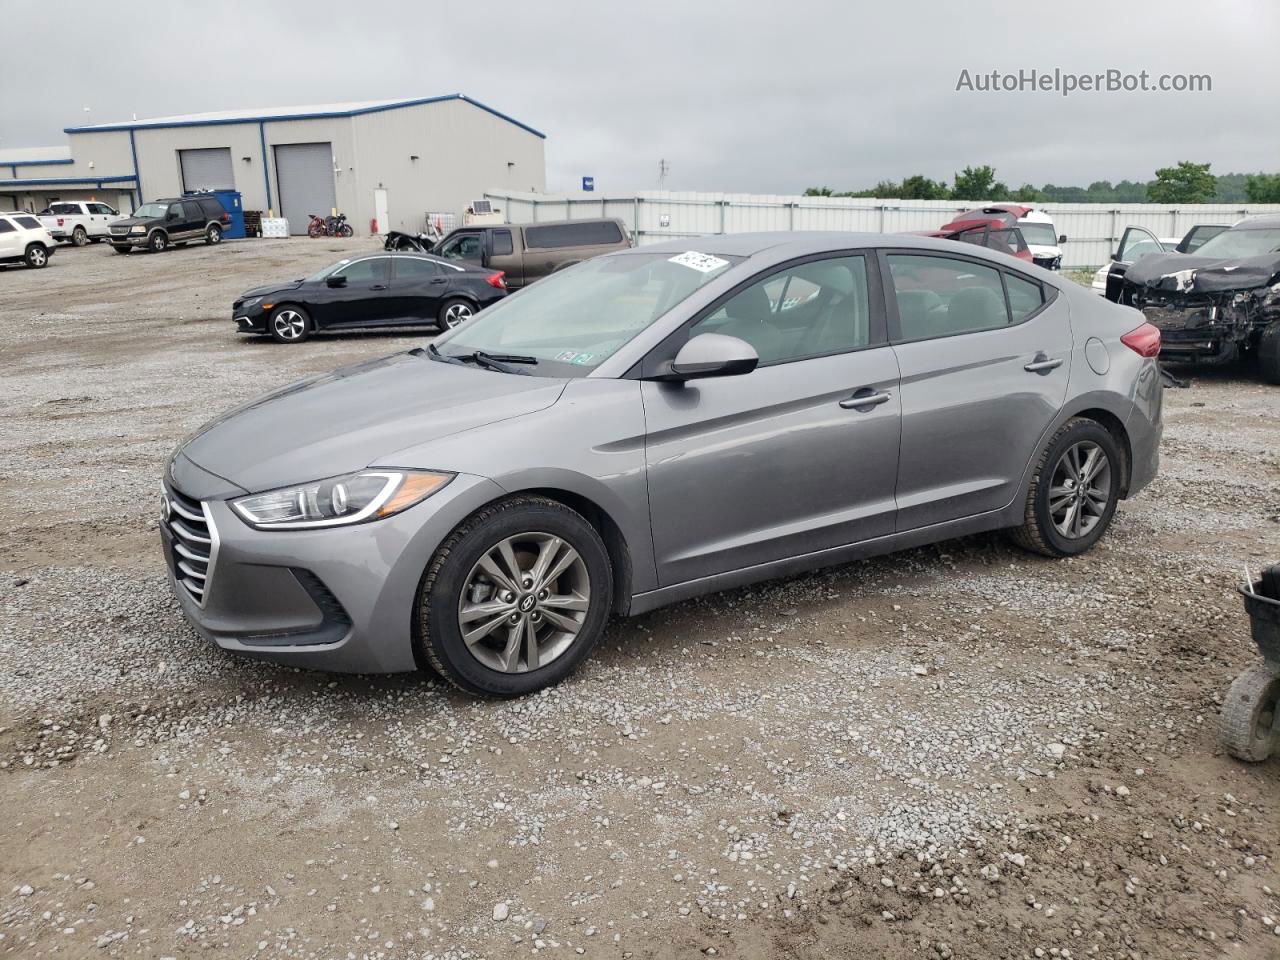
1218,304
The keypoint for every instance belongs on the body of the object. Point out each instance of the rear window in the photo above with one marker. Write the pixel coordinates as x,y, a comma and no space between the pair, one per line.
31,223
64,208
6,226
212,208
585,234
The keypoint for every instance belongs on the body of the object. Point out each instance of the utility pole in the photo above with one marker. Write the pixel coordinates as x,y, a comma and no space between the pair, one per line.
663,169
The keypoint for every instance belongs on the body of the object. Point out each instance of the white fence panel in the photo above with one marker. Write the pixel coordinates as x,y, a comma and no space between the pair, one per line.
1092,229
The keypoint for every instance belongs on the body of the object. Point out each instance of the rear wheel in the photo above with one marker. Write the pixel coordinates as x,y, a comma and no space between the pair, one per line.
79,237
213,235
1251,714
1073,492
316,229
289,324
1269,352
158,242
515,598
37,256
455,312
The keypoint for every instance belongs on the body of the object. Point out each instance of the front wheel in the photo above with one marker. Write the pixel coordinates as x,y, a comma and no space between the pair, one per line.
213,235
455,312
1269,352
37,256
1073,492
289,324
344,230
158,242
515,598
79,237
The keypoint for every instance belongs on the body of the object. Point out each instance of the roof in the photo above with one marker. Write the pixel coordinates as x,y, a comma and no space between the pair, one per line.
311,112
1263,222
29,156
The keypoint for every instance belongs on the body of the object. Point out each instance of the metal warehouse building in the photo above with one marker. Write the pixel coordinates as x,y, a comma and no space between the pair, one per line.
394,160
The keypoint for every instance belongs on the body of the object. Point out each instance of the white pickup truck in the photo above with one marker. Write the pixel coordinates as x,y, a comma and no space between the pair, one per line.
78,222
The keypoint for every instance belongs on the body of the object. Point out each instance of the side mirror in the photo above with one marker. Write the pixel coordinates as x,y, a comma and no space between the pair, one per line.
1062,238
1115,254
712,355
338,281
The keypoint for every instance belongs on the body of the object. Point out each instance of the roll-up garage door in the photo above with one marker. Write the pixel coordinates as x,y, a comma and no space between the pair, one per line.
207,169
304,172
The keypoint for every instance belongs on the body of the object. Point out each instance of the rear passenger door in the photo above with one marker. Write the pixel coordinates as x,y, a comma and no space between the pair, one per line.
985,355
418,286
193,219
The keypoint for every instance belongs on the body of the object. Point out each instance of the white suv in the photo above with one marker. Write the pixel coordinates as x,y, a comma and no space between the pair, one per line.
24,239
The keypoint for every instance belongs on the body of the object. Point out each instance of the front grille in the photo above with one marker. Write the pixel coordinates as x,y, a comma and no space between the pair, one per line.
120,230
195,542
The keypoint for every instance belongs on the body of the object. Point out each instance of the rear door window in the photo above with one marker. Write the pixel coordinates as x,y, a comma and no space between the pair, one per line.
502,243
192,213
415,269
941,297
585,234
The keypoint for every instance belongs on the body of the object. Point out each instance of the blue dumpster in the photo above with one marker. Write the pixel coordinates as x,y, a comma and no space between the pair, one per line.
230,200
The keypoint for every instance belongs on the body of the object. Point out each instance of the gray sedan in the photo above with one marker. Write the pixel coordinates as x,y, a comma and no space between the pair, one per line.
652,425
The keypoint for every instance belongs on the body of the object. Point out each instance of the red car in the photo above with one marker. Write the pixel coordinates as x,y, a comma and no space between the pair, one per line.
997,236
997,215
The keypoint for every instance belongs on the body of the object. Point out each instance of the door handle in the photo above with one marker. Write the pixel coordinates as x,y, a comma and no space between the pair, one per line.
378,286
1042,364
865,398
440,280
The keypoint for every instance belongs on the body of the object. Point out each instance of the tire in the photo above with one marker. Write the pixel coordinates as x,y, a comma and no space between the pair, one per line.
36,257
119,248
1251,714
158,242
345,230
1269,352
1053,491
79,237
289,324
213,235
454,312
583,577
316,230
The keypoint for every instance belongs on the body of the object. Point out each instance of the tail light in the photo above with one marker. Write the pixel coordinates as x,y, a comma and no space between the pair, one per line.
495,280
61,221
226,217
1144,341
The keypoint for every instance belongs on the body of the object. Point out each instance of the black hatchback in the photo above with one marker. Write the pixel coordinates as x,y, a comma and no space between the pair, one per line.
359,293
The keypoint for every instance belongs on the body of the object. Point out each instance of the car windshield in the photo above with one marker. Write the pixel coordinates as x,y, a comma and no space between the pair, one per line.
151,210
322,274
1235,244
1041,234
574,320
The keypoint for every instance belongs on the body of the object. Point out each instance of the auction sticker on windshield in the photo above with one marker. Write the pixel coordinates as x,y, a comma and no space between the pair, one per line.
702,262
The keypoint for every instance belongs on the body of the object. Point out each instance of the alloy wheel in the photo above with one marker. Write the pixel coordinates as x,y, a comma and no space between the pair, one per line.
524,602
457,313
37,257
1080,490
289,324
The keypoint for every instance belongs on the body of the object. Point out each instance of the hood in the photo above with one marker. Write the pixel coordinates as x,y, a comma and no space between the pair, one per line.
351,418
1187,273
134,221
270,288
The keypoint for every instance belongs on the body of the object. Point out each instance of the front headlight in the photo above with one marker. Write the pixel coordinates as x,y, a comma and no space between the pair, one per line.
138,229
250,302
338,501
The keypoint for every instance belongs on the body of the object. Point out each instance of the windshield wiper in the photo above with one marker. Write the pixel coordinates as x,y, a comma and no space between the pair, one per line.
490,361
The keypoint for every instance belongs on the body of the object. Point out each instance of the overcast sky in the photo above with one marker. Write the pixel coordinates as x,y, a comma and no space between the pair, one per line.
763,97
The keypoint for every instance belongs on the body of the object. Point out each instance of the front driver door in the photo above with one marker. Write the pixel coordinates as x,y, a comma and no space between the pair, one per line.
364,298
783,461
985,355
463,246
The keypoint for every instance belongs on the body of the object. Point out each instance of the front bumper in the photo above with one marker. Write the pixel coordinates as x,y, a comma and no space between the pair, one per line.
337,599
251,324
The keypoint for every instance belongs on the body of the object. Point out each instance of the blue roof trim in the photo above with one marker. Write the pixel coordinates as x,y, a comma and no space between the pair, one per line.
306,116
67,180
34,163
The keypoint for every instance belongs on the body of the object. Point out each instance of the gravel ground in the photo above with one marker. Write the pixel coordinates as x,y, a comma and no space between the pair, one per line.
958,751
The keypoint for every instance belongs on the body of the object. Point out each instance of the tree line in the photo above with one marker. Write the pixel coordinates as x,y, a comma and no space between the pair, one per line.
1184,183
